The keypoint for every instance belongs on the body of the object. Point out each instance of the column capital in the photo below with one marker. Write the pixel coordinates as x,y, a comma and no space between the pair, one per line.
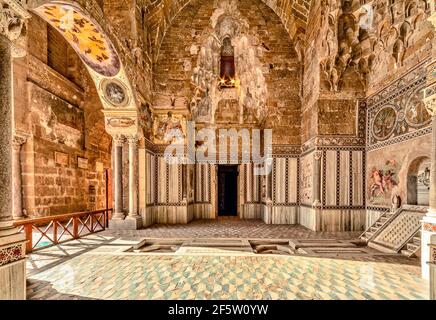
119,140
13,14
18,139
133,139
17,142
317,155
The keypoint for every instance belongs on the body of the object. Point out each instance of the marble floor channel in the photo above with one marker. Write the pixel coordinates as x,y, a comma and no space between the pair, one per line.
102,266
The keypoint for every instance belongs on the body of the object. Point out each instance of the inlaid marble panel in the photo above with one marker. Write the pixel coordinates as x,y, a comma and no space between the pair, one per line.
344,178
358,178
330,163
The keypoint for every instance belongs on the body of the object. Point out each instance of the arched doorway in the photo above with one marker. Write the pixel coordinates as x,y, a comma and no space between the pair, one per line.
418,182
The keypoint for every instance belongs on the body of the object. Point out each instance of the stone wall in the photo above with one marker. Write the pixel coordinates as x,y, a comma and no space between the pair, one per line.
67,150
267,68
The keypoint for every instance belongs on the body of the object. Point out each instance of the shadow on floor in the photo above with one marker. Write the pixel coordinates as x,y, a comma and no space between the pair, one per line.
43,290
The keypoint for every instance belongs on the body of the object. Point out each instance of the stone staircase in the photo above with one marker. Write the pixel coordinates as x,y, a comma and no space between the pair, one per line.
369,233
397,231
413,247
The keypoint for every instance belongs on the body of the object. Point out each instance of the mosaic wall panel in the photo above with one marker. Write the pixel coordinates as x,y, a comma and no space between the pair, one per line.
331,177
150,176
203,185
286,181
342,182
168,188
397,112
251,184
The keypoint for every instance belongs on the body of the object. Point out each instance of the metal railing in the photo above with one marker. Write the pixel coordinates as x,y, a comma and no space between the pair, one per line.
48,231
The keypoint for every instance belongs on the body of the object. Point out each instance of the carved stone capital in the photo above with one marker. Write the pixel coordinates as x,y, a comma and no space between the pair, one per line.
119,140
132,139
317,204
317,155
18,141
13,15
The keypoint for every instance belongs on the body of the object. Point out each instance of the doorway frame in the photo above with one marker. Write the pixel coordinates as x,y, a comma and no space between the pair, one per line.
238,188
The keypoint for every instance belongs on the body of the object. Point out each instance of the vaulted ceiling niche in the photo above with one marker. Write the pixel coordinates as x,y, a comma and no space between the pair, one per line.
230,63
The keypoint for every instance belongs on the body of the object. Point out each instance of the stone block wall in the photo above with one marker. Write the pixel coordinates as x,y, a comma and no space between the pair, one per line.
67,152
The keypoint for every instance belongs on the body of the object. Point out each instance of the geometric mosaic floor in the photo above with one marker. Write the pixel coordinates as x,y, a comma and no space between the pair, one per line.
95,268
231,228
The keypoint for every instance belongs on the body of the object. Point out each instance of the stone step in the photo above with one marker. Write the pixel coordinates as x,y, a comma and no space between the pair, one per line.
378,224
417,240
412,247
373,229
369,234
406,253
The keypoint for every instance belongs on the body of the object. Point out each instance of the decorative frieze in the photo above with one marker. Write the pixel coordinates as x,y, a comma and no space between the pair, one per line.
11,253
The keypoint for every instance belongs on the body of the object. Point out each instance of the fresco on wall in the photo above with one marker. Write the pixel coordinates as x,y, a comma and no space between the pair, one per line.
84,35
383,182
166,125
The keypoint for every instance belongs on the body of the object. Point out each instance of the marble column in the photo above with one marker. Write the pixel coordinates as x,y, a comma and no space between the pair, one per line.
17,197
6,225
316,191
12,243
118,177
133,177
133,220
317,156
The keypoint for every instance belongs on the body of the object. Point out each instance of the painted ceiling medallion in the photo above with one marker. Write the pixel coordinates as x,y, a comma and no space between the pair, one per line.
84,35
114,92
384,123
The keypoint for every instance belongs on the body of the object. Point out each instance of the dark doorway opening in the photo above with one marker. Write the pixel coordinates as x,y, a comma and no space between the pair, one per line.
227,190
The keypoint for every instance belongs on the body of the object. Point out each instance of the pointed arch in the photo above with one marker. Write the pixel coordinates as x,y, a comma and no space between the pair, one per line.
96,48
